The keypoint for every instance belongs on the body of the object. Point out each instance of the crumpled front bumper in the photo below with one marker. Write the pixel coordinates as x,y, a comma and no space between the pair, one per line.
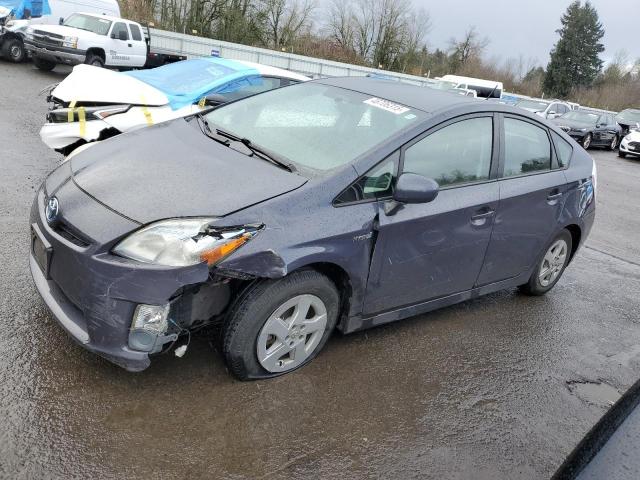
92,293
60,135
624,148
66,56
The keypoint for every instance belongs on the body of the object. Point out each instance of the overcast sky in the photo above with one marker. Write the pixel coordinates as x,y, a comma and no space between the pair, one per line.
528,26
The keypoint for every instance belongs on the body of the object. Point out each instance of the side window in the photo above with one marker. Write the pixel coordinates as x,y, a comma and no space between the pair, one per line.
563,149
458,153
117,28
135,32
376,183
526,148
562,109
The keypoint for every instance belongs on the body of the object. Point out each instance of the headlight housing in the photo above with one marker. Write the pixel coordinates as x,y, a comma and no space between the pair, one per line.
70,42
64,115
183,242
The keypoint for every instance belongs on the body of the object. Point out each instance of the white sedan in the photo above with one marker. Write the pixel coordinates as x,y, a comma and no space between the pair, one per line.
94,103
630,145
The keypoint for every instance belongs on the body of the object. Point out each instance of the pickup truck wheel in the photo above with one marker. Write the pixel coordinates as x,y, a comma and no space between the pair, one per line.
13,50
44,65
280,325
94,60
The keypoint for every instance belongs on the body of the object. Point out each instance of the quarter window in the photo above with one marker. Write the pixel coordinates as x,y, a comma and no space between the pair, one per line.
526,148
376,183
563,149
456,154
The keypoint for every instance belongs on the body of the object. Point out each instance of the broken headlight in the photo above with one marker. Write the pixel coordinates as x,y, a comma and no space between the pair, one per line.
184,242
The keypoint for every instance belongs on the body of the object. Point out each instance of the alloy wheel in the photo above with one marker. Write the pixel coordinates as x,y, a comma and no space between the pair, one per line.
15,52
614,143
553,263
291,333
587,142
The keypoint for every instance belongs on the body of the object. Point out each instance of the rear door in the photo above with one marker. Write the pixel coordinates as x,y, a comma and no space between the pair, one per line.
532,190
430,250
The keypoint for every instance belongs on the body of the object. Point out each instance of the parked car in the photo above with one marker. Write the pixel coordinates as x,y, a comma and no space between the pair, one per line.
483,88
590,128
17,15
340,203
98,40
94,103
545,109
630,144
628,119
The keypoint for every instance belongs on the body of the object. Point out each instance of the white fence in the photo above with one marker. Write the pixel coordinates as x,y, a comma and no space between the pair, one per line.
193,46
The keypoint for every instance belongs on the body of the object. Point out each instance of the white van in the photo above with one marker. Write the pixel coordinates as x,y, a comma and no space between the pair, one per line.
484,88
17,15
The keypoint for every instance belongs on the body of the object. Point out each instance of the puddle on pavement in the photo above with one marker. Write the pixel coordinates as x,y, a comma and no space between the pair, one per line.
596,393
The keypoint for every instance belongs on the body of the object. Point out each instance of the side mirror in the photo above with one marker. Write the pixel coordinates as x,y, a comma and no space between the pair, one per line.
215,99
60,21
552,113
122,35
413,188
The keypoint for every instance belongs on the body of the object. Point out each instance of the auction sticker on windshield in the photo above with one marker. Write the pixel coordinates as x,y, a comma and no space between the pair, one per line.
387,105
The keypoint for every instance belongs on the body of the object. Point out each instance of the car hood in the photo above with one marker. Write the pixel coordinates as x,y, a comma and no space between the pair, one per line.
174,170
66,31
94,84
563,122
633,136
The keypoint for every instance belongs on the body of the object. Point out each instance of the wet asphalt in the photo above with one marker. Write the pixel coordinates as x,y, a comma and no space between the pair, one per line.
499,387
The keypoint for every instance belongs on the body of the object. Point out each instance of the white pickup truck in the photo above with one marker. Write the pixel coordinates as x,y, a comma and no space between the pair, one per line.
97,40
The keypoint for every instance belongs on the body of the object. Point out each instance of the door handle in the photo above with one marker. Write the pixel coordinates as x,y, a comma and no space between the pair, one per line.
481,217
554,196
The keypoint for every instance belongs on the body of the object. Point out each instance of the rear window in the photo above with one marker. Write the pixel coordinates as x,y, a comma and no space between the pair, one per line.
135,32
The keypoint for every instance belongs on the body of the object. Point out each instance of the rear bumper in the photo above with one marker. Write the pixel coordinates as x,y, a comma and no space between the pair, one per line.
66,56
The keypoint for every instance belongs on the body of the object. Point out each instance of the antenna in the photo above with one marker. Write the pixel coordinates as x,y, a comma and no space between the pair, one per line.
492,92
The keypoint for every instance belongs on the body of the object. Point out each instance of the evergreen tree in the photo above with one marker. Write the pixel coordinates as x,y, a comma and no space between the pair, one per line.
575,60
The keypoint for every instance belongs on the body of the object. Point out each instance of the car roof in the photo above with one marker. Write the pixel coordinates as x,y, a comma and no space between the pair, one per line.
269,71
421,98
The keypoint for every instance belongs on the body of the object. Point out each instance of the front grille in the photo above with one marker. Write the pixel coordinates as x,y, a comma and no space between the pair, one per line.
47,38
68,233
634,145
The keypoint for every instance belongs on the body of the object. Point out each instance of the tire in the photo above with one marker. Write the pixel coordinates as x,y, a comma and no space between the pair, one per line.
94,60
586,141
13,50
614,143
621,154
44,65
538,284
270,306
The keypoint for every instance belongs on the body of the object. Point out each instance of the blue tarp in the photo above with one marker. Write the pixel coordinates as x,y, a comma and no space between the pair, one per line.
188,81
34,8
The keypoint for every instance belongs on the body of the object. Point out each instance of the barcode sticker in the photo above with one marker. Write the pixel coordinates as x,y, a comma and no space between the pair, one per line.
387,105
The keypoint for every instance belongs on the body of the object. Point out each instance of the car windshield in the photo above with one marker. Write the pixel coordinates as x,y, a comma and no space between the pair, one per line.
537,106
314,125
628,117
87,22
584,117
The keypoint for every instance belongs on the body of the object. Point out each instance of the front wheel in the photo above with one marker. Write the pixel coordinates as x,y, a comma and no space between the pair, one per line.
586,141
13,50
551,267
280,325
44,65
614,143
94,60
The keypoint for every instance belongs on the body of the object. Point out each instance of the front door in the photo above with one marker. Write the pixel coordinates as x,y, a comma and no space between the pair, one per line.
119,52
531,200
426,251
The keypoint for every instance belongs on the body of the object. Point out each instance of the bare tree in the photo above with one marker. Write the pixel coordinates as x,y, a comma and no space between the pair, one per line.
470,47
341,25
286,19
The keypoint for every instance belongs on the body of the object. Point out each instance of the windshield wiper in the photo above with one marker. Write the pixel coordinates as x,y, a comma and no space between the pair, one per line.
259,151
226,138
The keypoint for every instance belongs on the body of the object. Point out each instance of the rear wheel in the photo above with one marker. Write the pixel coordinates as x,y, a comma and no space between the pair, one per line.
44,65
94,60
13,50
586,141
614,143
280,325
551,267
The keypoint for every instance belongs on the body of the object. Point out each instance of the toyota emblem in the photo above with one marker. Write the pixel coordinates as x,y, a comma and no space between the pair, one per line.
52,210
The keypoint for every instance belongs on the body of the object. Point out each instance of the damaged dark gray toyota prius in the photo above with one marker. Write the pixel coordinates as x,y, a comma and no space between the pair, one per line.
338,203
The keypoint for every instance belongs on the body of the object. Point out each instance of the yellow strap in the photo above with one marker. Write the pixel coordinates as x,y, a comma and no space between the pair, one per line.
202,102
81,119
146,112
72,105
